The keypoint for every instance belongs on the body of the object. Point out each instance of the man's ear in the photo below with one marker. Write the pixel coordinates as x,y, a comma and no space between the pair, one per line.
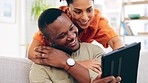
68,11
47,41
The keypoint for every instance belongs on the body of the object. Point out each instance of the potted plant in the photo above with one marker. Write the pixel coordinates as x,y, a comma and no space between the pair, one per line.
38,7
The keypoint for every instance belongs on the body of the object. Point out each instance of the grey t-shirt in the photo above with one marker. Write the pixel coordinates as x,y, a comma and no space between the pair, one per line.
47,74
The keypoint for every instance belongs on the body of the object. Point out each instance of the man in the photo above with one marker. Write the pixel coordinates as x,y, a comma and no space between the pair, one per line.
61,34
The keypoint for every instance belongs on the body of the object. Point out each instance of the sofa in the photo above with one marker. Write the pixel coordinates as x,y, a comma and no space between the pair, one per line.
16,70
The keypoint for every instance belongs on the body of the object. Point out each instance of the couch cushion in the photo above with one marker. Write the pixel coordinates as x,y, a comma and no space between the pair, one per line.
14,70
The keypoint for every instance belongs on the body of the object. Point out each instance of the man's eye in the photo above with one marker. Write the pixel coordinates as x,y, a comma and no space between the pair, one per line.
72,28
78,12
62,36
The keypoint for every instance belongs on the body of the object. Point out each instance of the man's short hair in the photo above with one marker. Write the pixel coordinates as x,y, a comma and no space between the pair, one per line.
47,17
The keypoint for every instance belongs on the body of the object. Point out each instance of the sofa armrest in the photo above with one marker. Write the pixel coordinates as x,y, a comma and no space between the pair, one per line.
14,69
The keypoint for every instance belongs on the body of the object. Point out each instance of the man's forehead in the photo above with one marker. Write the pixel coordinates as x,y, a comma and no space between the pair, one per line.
63,17
60,24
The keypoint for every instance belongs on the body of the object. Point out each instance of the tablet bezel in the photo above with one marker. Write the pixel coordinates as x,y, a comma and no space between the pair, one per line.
122,62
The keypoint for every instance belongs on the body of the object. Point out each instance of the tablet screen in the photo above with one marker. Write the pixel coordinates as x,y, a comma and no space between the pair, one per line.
122,62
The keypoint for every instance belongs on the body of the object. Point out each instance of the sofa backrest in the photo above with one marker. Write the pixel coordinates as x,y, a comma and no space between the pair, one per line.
14,70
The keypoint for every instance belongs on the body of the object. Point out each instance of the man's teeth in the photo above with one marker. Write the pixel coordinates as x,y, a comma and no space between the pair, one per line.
72,42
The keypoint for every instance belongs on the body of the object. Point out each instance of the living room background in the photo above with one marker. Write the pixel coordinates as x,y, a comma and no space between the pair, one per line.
17,34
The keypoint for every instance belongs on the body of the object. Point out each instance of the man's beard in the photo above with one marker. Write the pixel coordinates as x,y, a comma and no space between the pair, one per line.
68,51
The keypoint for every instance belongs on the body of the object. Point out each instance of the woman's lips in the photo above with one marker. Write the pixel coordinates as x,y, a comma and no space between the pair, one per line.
84,23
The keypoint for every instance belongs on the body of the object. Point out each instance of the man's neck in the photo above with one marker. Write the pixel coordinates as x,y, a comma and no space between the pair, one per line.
64,50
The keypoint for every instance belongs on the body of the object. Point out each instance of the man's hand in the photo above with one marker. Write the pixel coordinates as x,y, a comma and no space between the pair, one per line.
110,79
92,64
50,56
44,54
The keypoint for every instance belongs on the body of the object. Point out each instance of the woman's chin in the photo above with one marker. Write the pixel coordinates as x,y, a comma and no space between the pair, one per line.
84,26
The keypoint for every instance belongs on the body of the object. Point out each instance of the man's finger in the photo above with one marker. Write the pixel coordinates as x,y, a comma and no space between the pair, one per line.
37,61
37,56
104,80
109,79
44,61
118,79
40,56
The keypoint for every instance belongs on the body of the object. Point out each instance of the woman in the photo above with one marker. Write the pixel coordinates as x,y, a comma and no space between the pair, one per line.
91,25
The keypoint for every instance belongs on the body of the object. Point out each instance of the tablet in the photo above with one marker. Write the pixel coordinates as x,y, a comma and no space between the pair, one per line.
122,62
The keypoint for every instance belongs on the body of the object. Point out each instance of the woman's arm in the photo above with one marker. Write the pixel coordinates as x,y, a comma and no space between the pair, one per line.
115,43
31,50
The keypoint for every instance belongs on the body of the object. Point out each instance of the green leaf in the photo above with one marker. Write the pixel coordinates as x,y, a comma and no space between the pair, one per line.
38,7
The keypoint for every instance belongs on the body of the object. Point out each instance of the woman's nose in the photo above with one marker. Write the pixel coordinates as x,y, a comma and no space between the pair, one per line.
84,17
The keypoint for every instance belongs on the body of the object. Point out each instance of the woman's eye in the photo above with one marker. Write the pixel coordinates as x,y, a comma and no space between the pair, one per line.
89,10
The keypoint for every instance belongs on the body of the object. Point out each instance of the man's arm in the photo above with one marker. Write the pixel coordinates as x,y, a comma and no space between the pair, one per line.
36,56
57,58
80,73
115,43
32,51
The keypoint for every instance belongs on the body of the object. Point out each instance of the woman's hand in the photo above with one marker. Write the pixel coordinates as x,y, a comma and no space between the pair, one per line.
92,64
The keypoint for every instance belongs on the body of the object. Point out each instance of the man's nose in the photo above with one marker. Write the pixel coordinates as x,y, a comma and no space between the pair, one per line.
71,35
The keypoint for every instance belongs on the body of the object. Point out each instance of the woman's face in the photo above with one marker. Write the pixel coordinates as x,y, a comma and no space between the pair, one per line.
82,12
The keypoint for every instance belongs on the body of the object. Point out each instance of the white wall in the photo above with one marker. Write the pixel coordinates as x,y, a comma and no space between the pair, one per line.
9,34
15,36
8,43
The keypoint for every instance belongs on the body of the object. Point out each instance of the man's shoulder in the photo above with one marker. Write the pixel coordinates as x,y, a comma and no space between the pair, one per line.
88,45
91,49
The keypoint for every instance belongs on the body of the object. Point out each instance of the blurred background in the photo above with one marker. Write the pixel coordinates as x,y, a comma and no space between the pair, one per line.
18,21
